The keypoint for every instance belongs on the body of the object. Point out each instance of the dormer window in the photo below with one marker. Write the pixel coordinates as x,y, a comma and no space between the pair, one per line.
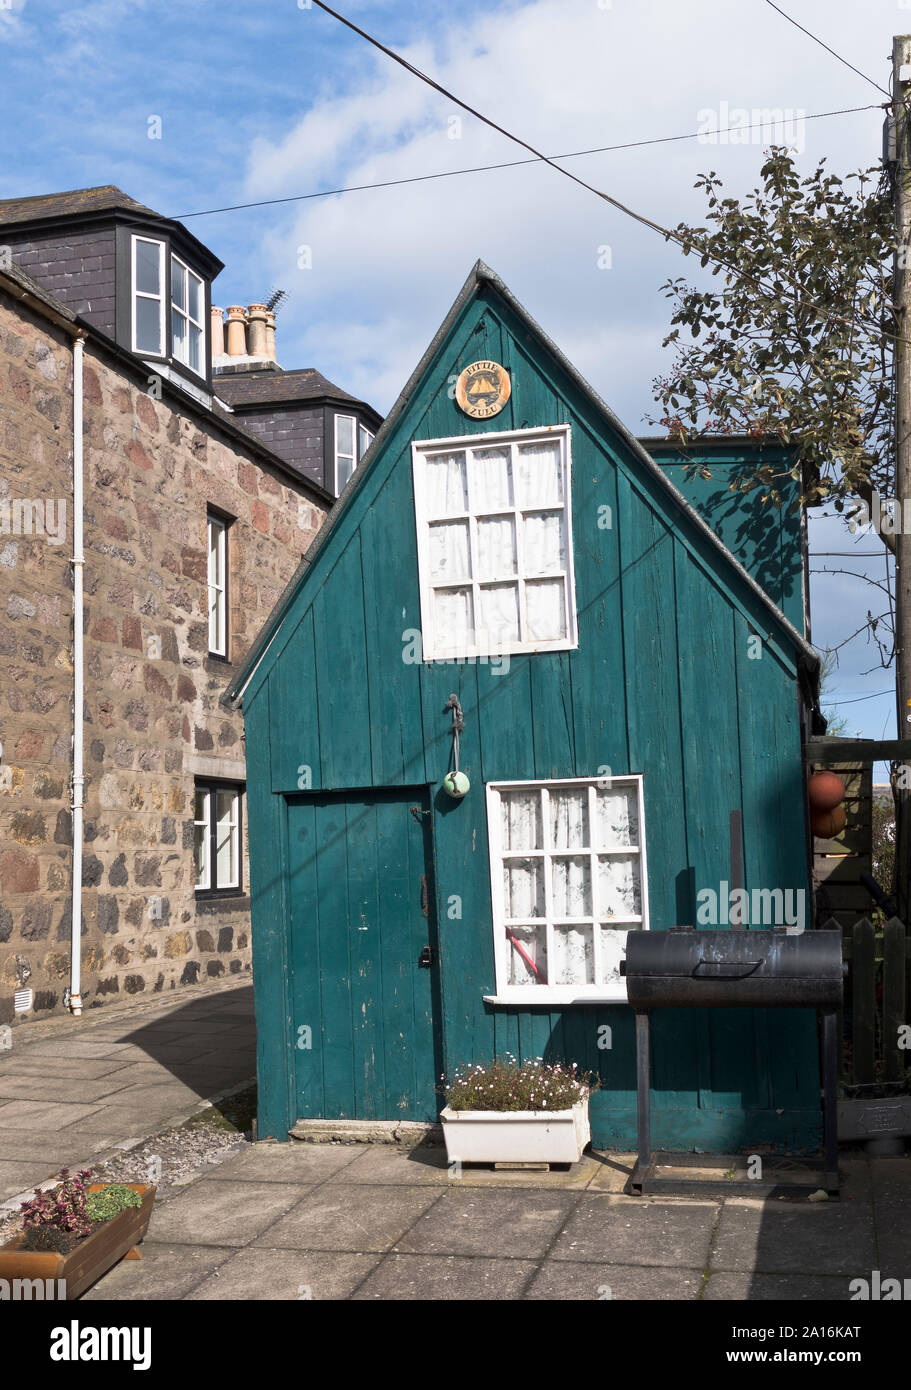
352,440
148,296
186,298
187,305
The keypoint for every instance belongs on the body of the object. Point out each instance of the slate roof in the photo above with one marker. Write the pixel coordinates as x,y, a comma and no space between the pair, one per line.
273,388
78,200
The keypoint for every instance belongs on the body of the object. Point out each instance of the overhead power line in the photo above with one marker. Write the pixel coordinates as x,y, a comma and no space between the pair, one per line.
875,696
828,49
688,243
510,164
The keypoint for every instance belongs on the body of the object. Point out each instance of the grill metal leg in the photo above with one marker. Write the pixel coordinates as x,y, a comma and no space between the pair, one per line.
830,1097
643,1067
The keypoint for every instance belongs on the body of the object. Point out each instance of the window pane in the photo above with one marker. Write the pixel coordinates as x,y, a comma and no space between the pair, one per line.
226,839
574,957
572,887
521,820
491,479
344,469
453,617
617,813
569,818
148,267
613,950
539,475
201,855
619,893
178,284
498,620
449,557
545,552
148,325
527,958
496,547
195,359
545,609
364,440
178,335
447,489
195,296
523,885
344,435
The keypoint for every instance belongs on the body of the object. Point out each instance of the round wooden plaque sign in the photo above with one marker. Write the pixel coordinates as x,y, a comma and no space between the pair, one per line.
483,389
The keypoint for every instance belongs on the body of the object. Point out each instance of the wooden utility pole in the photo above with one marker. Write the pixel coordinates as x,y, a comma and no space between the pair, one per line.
901,132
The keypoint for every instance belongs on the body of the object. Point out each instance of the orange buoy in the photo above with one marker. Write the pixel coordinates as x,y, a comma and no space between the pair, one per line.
826,824
826,791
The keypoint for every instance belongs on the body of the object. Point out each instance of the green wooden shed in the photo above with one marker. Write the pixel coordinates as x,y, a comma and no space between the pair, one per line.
625,682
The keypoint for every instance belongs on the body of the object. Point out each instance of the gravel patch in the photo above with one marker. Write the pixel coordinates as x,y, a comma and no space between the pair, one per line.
170,1159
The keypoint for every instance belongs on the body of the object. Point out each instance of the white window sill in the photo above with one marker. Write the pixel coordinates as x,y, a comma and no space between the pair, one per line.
539,998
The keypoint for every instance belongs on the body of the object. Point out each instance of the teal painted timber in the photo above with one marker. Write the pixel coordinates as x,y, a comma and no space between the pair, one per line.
662,684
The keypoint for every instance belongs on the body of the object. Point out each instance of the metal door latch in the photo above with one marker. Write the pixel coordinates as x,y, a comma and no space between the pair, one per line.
426,958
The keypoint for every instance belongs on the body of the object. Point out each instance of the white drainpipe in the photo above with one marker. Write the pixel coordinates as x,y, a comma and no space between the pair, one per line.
78,683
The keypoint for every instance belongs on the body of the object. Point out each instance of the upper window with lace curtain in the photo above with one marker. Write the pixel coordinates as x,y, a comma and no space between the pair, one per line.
495,543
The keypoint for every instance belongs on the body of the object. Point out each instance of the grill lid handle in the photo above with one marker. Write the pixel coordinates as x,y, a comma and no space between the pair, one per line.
728,969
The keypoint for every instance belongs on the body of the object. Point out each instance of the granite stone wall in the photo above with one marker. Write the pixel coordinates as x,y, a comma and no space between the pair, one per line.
153,722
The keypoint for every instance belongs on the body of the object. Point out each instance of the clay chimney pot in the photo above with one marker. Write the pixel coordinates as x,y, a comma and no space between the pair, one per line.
237,340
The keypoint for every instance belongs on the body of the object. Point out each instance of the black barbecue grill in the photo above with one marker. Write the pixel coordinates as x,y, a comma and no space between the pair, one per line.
683,968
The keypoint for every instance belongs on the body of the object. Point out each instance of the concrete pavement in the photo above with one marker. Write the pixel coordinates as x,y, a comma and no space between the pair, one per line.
333,1221
72,1090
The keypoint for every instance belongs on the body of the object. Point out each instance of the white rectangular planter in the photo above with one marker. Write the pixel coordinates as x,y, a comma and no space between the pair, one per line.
517,1136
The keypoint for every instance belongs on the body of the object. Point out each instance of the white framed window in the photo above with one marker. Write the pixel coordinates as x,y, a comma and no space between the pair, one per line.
217,849
345,455
365,438
188,302
148,295
568,882
494,536
217,537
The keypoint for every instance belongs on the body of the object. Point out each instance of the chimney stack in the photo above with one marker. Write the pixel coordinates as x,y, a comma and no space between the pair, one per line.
217,333
237,345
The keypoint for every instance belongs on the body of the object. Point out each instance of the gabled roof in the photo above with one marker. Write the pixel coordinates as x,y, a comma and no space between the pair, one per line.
480,275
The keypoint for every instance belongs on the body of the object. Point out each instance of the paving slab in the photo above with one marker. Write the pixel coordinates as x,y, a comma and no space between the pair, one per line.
164,1272
518,1224
563,1280
794,1238
76,1090
253,1274
388,1163
221,1213
626,1230
330,1217
447,1277
770,1288
301,1163
43,1114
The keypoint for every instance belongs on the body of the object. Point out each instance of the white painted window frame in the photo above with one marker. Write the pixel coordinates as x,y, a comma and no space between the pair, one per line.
337,455
144,294
369,437
206,823
217,584
233,829
185,314
557,994
433,648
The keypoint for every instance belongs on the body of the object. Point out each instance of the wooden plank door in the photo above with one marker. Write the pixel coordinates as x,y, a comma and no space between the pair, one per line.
365,1009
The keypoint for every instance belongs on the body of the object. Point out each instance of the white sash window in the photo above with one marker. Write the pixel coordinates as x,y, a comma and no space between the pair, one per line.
494,534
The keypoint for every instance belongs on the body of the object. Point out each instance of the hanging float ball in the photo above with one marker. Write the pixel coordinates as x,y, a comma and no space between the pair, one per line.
825,824
826,791
456,784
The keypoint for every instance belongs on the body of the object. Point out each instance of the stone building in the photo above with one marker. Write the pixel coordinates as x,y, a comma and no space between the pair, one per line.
192,521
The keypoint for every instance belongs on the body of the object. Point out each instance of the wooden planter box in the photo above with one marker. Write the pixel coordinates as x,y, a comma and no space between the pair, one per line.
517,1136
93,1256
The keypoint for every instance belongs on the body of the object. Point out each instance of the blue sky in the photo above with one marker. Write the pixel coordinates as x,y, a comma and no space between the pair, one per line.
267,98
